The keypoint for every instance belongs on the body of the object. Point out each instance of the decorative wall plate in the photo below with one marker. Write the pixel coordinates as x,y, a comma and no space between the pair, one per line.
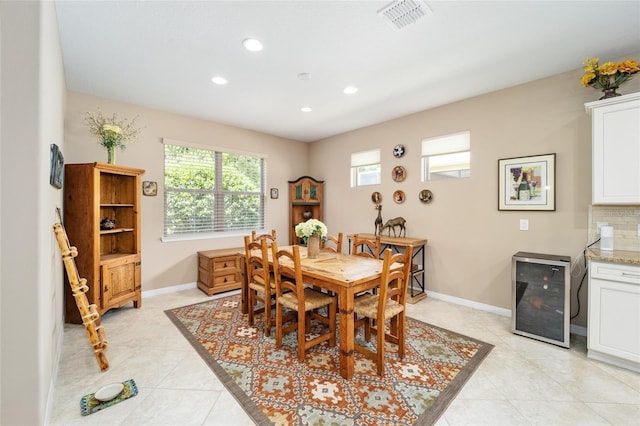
426,196
398,150
399,196
376,197
398,173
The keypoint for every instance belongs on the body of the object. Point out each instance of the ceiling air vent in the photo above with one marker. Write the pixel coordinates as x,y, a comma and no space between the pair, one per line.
404,12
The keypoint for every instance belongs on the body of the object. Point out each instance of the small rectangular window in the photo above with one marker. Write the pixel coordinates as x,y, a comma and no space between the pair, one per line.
446,157
365,168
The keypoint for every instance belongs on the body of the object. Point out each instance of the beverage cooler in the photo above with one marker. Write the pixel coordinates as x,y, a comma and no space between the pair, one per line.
540,297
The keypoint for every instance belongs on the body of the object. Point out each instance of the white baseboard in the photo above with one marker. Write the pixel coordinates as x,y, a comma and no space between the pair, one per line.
578,329
470,303
166,290
574,329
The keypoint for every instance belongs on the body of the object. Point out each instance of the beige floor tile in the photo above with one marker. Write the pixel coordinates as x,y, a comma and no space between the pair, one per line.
523,381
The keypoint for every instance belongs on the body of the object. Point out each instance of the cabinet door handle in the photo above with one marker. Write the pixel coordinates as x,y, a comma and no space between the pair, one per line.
225,264
106,288
225,279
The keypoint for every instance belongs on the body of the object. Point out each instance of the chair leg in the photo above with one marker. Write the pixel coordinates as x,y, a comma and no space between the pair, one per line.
333,307
400,334
302,321
267,314
252,306
380,338
278,325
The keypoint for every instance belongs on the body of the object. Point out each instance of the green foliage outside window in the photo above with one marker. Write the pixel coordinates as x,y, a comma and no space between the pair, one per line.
212,191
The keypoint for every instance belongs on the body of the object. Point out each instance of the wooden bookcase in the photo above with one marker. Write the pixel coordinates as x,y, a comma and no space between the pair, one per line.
110,259
305,198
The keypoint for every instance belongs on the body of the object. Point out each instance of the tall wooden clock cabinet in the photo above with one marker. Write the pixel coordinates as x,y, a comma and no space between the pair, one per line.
305,198
108,256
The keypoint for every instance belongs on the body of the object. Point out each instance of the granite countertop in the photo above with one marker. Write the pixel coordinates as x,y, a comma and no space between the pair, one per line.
616,256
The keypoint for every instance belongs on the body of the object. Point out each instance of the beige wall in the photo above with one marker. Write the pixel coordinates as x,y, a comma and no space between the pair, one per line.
470,242
31,292
166,264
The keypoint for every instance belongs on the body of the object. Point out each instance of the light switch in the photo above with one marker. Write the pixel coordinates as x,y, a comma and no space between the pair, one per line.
524,224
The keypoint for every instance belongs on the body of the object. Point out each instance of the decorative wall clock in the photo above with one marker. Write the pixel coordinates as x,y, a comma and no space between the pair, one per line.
398,173
398,150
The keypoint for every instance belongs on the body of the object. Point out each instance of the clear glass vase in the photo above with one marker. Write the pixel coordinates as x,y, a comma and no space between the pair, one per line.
111,155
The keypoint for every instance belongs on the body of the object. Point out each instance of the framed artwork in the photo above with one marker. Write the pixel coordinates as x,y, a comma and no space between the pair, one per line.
274,193
399,196
527,183
149,188
56,176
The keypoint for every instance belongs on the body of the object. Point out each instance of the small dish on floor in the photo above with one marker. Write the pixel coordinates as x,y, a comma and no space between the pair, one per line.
108,392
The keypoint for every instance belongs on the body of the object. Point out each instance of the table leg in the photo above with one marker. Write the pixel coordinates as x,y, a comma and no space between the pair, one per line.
244,290
345,311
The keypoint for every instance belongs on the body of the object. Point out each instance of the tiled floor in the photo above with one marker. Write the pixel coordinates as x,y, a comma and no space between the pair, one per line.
522,381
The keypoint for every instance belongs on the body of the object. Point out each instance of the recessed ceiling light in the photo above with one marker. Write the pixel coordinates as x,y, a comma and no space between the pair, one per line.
350,90
221,81
252,45
306,109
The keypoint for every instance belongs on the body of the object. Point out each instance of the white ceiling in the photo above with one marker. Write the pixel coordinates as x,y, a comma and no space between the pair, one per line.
163,54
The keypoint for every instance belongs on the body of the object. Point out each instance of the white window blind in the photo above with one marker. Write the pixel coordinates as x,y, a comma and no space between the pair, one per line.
446,157
210,191
365,168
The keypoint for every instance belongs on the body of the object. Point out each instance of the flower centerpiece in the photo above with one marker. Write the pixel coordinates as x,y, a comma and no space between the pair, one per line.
312,231
608,76
111,132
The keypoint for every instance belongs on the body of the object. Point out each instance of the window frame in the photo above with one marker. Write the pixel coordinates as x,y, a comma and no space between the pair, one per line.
218,192
451,145
365,162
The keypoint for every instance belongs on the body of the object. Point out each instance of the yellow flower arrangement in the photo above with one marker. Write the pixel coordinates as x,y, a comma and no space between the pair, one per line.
111,132
607,75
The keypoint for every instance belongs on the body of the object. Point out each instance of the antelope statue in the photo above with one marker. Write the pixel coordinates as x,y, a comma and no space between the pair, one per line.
392,223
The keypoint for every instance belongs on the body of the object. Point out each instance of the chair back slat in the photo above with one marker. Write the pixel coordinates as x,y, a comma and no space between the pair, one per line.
257,261
269,237
333,243
365,247
287,271
394,283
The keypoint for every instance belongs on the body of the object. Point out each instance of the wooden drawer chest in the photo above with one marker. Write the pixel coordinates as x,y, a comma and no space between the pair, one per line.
220,270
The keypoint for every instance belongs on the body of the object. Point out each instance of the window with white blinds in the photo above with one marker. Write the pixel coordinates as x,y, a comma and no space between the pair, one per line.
365,168
208,191
446,157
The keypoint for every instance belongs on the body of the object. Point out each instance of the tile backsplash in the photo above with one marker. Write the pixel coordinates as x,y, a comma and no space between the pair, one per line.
624,219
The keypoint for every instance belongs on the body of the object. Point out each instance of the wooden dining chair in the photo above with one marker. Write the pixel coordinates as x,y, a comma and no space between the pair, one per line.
365,247
333,243
303,302
262,286
387,305
269,237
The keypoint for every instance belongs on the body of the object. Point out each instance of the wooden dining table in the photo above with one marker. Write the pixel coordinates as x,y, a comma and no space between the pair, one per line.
345,275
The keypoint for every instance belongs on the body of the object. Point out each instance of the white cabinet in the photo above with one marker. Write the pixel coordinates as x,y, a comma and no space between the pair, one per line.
614,314
616,149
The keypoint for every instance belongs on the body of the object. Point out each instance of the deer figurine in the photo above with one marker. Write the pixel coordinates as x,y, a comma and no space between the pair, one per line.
378,223
391,225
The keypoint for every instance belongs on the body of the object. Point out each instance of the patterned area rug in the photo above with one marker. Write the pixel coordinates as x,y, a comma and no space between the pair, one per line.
274,388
